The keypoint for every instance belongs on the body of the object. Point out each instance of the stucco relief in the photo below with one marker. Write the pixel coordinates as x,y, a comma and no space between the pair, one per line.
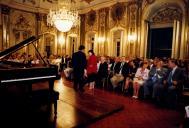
118,11
22,25
91,17
30,1
123,21
112,23
88,1
102,17
167,15
45,28
22,21
145,3
74,30
91,21
133,14
117,15
150,1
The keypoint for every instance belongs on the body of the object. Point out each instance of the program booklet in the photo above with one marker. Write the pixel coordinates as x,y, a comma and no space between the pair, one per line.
187,111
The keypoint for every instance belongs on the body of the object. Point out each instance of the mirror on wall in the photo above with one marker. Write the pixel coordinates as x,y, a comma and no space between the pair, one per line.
72,42
91,40
49,44
117,41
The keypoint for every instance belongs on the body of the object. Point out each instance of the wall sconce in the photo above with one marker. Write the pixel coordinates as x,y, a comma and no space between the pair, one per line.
101,39
61,39
132,38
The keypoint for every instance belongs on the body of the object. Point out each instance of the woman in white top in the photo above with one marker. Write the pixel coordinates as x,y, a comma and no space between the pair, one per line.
140,77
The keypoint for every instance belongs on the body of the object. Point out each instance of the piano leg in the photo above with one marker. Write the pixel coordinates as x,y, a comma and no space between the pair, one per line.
51,85
54,96
55,108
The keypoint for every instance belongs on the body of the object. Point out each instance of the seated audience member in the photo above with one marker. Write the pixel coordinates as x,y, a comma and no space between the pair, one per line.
120,73
156,75
115,66
68,71
140,77
173,83
186,76
108,60
131,70
102,71
35,61
98,62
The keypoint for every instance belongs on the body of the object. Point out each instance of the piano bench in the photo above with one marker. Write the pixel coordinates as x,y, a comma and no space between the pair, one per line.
41,97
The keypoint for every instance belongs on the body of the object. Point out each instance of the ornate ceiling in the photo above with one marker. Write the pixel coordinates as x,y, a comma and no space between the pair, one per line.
44,5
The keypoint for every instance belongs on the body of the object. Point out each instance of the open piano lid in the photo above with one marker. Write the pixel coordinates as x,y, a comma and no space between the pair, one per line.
18,46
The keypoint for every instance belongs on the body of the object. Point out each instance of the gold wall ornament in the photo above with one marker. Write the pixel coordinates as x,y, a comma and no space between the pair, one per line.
118,11
102,17
51,1
133,15
91,17
88,1
150,1
22,23
30,1
167,15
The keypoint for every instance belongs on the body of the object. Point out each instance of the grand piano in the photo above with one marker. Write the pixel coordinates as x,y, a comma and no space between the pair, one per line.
14,73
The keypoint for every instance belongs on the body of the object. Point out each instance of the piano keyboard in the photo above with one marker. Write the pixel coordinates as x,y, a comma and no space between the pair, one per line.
27,79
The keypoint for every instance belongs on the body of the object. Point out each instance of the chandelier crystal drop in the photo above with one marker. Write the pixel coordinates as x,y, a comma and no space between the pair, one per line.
64,16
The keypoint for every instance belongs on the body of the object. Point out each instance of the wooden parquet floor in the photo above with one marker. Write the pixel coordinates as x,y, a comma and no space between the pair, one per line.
96,108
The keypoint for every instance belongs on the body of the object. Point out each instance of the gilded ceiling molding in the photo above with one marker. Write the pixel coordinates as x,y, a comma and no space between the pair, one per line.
31,1
150,1
88,1
5,9
146,3
167,15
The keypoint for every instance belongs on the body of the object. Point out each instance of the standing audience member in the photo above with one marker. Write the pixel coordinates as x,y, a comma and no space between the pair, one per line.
91,69
79,65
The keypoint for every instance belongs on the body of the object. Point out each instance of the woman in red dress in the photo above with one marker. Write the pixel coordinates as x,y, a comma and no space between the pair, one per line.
91,69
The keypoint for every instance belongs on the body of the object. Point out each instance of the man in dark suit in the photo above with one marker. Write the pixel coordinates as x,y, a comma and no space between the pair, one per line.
79,63
153,85
120,72
102,73
173,83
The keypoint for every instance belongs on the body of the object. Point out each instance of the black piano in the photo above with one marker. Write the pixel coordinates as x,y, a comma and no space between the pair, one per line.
15,73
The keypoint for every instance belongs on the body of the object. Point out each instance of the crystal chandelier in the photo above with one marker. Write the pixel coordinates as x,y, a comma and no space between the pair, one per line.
64,16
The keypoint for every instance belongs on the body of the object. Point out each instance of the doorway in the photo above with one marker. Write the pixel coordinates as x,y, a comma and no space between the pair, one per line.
160,42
